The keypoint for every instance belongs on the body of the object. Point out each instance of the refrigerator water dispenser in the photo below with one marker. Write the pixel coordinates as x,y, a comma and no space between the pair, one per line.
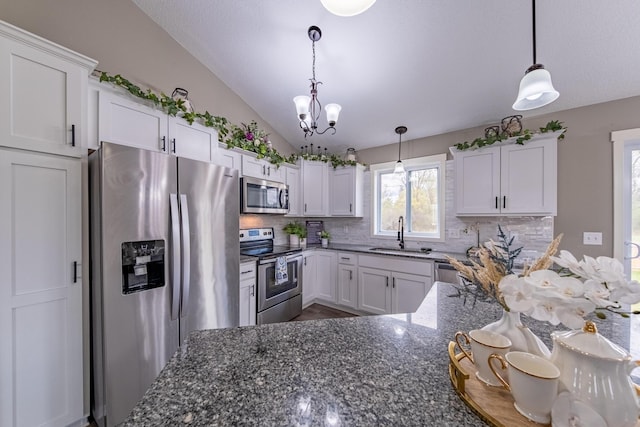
142,265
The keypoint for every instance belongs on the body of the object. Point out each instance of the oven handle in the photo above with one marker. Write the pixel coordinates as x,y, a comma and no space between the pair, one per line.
273,260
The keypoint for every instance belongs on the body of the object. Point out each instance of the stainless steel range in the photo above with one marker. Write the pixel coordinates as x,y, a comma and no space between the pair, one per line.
279,296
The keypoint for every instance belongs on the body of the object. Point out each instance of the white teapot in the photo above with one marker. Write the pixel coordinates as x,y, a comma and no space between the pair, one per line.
596,371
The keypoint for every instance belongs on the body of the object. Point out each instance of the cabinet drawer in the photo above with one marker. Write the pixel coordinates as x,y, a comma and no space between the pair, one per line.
247,270
347,258
394,263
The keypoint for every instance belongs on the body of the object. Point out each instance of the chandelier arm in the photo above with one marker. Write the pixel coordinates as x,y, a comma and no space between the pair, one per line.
331,128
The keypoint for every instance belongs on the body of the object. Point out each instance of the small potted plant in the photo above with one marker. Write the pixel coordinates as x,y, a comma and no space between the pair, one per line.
296,232
324,236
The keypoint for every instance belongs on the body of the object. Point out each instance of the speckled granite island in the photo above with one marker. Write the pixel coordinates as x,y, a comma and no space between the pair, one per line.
365,371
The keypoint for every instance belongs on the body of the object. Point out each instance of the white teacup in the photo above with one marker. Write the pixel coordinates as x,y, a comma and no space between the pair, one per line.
533,383
483,344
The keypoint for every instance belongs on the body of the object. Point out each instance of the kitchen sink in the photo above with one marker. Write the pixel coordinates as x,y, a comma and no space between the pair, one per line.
399,251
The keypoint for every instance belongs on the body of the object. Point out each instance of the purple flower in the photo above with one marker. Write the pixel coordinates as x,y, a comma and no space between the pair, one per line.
249,136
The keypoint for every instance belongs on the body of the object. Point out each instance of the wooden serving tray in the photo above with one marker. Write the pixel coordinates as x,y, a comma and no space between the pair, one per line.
493,404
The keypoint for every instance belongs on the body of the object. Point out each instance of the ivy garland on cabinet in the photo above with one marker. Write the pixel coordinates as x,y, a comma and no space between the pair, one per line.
247,137
522,136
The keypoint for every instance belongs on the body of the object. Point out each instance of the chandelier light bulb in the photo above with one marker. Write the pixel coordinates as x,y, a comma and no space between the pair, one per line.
399,169
347,7
302,105
536,90
333,111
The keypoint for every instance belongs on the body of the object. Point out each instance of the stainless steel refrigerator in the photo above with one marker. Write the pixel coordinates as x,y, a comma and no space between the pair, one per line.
165,261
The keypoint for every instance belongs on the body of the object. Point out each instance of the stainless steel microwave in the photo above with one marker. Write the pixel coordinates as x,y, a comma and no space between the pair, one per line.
262,196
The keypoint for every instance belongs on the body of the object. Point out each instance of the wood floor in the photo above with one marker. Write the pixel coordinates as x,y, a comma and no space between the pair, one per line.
317,311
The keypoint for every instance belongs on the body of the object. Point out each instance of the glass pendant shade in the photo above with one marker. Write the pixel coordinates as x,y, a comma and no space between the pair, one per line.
536,90
347,7
333,111
399,169
302,105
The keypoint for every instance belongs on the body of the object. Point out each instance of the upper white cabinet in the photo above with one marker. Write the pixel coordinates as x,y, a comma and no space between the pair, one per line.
508,179
125,121
315,188
231,159
345,191
261,169
292,179
41,362
44,103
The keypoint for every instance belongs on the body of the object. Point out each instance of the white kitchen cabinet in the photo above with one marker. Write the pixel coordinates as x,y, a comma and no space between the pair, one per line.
125,121
392,284
309,271
261,169
41,351
231,159
315,188
248,293
292,179
44,103
346,191
325,286
509,179
348,285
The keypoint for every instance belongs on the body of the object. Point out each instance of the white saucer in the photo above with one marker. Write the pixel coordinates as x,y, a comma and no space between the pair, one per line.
568,411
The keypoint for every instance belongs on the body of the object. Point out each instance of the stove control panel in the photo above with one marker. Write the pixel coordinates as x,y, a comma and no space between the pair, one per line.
252,234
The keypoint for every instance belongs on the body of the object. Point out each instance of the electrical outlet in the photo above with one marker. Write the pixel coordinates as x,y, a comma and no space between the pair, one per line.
591,238
454,233
346,229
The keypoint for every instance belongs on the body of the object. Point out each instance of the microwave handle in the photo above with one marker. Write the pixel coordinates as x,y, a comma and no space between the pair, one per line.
284,192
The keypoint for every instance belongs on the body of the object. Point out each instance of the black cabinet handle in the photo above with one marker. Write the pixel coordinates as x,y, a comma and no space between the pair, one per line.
504,202
305,207
164,143
305,261
350,275
264,168
75,271
73,135
269,170
253,290
394,282
496,202
350,207
173,145
387,282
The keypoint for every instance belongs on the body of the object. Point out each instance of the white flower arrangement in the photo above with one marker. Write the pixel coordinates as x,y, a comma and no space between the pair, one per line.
580,288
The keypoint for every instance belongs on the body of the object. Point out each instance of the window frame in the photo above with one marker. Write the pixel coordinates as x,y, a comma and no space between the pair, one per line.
438,162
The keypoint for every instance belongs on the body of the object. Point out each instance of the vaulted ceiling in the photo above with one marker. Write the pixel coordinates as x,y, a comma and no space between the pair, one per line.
433,65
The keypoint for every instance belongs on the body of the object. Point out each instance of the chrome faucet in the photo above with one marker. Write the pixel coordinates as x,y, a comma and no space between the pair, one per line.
401,231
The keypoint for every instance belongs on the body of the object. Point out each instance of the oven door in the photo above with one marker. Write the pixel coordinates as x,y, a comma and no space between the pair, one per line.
262,196
270,292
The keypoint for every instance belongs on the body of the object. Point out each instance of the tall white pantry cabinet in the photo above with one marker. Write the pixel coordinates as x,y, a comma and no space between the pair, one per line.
43,115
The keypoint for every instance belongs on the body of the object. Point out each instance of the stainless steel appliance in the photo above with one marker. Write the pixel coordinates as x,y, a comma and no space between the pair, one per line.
165,261
278,300
261,196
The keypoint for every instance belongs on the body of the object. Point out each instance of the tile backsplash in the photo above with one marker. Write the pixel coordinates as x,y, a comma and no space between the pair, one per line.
532,233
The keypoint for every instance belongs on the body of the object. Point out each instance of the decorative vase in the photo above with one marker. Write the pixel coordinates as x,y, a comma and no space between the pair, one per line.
325,242
294,240
522,339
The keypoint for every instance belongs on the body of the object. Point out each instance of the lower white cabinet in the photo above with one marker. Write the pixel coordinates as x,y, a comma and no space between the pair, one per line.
347,280
248,293
392,285
309,272
325,285
41,359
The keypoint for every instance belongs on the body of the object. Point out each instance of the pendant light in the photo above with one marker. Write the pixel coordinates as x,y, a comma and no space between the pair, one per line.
347,7
399,166
536,89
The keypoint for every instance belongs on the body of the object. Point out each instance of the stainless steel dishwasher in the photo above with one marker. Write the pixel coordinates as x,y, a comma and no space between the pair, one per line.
445,272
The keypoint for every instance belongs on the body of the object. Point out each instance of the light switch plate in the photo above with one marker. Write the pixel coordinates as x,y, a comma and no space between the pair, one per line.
591,238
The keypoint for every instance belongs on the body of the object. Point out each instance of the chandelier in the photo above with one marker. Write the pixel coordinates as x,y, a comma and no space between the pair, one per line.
309,108
347,7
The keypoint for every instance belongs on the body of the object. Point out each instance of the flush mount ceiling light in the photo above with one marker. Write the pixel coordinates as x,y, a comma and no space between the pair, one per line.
309,108
536,89
399,166
347,7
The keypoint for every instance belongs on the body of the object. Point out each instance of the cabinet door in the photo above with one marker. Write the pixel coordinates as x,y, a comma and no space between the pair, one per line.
478,182
192,141
293,181
248,302
408,291
315,188
228,158
374,291
348,285
309,271
326,270
43,106
129,123
341,194
41,362
529,178
253,167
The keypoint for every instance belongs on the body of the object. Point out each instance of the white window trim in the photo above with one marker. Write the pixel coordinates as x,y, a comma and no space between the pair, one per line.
439,161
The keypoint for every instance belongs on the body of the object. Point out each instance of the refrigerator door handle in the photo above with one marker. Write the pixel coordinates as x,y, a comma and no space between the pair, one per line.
186,254
175,256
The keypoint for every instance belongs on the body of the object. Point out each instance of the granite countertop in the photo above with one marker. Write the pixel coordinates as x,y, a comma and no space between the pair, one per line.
362,371
247,258
393,251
